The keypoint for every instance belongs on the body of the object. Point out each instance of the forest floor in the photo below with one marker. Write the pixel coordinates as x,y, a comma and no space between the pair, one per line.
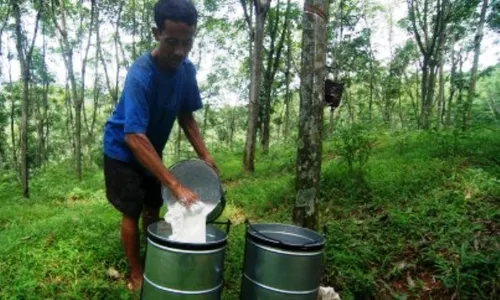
420,220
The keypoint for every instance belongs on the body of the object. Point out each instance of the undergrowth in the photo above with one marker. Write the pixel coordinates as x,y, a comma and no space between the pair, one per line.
416,217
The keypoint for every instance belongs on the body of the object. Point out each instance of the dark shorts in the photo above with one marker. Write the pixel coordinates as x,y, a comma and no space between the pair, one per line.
128,189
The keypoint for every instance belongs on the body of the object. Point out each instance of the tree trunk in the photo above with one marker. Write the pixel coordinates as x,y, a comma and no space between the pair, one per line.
116,41
12,114
273,61
205,120
424,111
473,77
80,104
460,113
70,130
441,102
77,103
232,128
427,91
24,56
370,103
400,111
331,122
45,104
178,142
418,85
112,90
453,85
96,94
261,9
265,105
429,46
288,95
39,129
313,72
350,110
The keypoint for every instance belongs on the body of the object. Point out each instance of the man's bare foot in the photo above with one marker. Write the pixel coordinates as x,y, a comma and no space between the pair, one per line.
135,282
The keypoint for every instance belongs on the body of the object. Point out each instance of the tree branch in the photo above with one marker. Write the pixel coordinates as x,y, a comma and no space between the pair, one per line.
85,58
412,9
247,18
281,42
32,46
425,24
440,26
117,58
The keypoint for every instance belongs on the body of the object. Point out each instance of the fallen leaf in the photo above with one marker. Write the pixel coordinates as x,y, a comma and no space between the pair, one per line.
113,273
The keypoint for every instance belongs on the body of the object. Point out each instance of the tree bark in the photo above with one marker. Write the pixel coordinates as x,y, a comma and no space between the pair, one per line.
45,104
261,9
69,119
288,95
111,90
12,114
178,142
460,113
232,128
477,51
25,66
205,120
441,103
453,85
265,104
400,111
273,62
309,149
80,105
117,40
96,95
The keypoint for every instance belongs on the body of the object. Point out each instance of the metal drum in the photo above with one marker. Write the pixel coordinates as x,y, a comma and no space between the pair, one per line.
176,270
282,262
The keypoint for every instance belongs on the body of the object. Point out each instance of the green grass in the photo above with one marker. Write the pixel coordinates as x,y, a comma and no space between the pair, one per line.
420,220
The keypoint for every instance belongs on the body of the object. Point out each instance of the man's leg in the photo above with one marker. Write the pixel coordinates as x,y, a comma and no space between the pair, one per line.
152,203
130,241
125,193
150,215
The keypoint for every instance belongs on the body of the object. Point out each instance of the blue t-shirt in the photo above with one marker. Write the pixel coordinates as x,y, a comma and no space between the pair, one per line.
150,102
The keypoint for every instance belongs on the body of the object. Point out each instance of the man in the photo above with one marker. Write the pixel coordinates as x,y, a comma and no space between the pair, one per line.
160,87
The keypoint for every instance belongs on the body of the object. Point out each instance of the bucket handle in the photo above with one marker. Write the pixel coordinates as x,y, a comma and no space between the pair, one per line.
228,224
261,234
280,242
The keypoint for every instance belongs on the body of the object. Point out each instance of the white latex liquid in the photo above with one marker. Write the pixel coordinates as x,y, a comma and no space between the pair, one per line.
188,224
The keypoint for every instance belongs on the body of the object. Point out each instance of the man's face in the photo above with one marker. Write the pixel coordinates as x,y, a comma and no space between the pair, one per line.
175,42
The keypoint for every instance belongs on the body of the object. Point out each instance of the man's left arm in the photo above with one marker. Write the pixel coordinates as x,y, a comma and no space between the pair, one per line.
192,131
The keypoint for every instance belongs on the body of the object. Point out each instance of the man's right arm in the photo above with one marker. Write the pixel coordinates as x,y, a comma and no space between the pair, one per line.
135,126
147,156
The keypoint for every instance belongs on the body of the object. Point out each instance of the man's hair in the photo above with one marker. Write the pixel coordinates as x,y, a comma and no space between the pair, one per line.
175,10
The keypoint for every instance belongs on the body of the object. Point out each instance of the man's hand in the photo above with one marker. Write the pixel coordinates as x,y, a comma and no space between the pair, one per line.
185,195
210,161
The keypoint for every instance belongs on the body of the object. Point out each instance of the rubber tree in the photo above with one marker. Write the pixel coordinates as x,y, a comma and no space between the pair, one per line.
312,94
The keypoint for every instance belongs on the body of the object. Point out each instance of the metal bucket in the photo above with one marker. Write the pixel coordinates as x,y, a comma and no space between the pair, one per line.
176,270
281,262
196,175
